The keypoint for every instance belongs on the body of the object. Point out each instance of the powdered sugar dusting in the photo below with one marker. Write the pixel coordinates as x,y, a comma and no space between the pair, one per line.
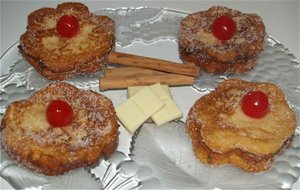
93,117
220,111
195,31
59,58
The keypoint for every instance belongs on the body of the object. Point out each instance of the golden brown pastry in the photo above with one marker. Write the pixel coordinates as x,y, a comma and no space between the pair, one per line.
54,144
224,132
67,41
204,42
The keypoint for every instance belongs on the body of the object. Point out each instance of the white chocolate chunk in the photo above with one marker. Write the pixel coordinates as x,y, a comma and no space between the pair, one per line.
160,91
134,89
168,113
130,115
137,109
147,101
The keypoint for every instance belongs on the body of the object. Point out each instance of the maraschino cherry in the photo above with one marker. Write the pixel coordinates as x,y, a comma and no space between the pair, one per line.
59,113
223,28
67,26
255,104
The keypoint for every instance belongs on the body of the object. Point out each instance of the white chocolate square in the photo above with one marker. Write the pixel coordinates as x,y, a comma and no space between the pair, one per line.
159,90
153,101
168,113
147,101
134,89
130,115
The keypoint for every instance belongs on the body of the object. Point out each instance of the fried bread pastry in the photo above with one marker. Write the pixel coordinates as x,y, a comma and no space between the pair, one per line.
57,57
198,44
29,139
221,133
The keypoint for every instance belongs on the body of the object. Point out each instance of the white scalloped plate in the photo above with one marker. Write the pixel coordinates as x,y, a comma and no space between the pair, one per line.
153,32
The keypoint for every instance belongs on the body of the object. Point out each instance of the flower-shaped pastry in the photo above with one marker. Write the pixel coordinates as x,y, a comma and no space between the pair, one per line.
67,41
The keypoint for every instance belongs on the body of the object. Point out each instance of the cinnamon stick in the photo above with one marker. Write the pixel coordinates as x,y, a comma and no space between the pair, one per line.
153,63
142,80
129,71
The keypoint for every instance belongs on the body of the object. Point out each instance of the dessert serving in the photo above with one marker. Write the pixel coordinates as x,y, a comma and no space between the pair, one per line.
221,40
242,123
67,41
59,128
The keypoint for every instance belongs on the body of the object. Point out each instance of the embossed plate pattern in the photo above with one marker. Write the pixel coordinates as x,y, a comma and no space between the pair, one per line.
153,32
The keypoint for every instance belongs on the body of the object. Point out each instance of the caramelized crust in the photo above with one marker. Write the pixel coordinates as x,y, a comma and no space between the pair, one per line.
198,45
222,134
59,58
29,139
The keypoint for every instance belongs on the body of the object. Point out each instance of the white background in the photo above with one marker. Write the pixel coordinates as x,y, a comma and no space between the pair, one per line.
281,18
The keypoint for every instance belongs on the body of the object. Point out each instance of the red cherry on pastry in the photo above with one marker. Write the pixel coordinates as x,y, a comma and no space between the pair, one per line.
255,104
67,26
59,113
223,28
